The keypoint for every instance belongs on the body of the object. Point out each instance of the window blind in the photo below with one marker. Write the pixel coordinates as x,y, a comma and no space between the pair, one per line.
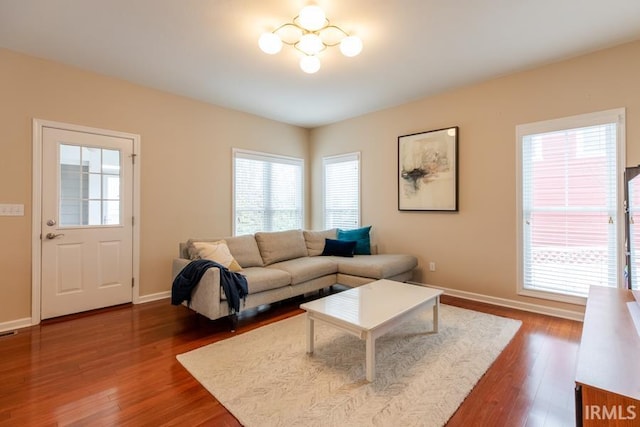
342,191
267,192
570,209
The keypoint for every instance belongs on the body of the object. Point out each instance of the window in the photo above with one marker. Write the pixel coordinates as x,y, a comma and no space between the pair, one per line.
570,221
89,186
267,191
342,191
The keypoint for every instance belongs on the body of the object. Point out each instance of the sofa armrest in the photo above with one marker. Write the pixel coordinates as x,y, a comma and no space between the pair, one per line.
177,266
205,297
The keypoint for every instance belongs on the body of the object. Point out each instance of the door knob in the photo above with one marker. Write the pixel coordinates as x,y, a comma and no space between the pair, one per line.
53,235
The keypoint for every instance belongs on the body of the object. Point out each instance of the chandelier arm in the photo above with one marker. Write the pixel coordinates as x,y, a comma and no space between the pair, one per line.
304,31
286,24
337,28
289,24
295,45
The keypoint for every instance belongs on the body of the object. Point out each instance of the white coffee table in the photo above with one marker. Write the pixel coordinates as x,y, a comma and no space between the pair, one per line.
370,311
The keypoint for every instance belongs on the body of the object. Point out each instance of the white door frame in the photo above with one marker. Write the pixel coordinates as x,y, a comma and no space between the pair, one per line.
36,215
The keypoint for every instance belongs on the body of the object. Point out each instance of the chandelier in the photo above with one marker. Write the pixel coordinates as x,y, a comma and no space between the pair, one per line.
310,33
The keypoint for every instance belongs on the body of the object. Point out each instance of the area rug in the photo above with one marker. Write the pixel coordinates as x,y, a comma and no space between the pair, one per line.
265,378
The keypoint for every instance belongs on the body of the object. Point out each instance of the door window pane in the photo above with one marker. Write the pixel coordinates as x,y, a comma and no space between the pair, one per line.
111,162
89,186
95,210
69,155
111,212
95,191
70,211
111,187
91,157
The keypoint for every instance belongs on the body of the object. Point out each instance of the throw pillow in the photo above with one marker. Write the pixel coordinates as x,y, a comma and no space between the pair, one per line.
361,236
214,251
339,247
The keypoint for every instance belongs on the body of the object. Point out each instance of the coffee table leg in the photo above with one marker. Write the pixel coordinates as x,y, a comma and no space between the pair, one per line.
310,334
370,362
436,308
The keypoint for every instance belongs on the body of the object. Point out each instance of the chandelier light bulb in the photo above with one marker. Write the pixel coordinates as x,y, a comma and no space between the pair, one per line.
310,64
270,43
312,18
311,44
351,46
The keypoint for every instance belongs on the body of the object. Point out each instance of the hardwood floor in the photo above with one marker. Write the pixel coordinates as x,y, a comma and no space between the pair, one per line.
117,367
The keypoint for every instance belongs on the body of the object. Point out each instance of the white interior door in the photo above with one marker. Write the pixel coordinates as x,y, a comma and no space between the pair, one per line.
86,230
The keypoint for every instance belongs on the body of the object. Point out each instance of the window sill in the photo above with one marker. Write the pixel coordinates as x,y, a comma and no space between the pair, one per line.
553,296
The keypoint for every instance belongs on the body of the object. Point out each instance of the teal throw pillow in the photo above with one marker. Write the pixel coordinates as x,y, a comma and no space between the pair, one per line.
361,236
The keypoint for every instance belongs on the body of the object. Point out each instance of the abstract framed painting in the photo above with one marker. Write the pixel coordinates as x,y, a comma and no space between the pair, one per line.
428,171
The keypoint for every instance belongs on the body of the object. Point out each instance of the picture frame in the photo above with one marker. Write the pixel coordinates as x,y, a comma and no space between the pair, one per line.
428,170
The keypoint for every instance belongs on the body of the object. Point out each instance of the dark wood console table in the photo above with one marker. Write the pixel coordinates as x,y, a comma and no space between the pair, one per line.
608,371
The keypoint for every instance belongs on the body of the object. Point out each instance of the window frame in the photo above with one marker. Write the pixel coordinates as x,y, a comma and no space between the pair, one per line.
262,156
339,158
617,116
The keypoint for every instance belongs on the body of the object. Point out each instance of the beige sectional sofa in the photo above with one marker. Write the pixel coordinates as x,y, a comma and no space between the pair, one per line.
284,264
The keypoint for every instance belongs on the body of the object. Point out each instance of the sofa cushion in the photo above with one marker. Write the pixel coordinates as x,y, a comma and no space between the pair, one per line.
243,248
306,268
281,245
339,247
263,279
214,251
376,266
315,240
360,235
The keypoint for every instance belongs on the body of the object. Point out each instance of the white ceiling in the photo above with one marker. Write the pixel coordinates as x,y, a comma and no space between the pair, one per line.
207,49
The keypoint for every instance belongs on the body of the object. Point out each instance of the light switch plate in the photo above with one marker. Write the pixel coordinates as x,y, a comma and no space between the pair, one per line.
11,210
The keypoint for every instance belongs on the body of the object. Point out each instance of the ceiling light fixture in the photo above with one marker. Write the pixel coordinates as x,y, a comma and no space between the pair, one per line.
310,33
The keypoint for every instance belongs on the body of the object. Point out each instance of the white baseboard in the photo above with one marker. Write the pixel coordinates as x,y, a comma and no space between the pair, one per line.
152,297
26,322
15,324
518,305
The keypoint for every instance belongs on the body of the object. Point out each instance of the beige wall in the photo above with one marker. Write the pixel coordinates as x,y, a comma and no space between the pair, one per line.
186,161
186,165
475,248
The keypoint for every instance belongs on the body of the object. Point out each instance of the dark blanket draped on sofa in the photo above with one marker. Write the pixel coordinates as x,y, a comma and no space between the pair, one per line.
233,284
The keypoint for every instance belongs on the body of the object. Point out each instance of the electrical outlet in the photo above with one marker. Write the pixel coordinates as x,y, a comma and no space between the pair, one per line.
432,266
11,210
